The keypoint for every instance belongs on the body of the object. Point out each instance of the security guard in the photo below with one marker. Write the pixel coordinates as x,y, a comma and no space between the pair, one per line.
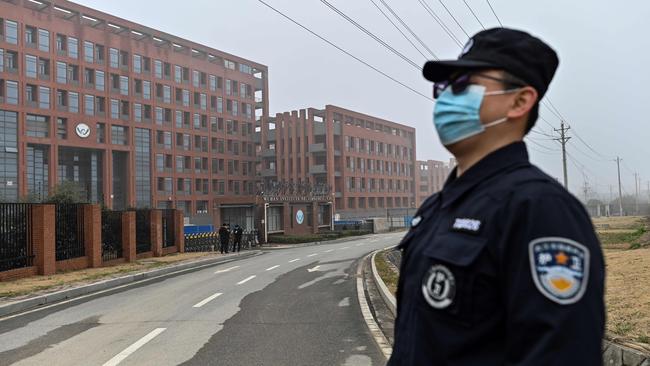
502,267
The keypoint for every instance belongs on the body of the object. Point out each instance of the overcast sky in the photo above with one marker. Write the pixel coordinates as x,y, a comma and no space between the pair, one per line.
601,87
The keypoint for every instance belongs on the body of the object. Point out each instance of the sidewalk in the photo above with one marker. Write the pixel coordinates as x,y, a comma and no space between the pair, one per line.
27,293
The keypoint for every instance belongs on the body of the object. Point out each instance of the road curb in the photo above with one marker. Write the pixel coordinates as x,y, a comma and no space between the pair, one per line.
375,330
324,242
385,293
89,289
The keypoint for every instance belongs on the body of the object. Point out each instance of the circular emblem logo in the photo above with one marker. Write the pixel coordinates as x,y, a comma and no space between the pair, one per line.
82,130
300,217
439,287
415,221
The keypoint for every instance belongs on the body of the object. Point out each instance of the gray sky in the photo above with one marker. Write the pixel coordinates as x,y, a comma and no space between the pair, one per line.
601,86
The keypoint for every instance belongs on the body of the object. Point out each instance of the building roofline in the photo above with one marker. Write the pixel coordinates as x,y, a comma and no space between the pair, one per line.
112,20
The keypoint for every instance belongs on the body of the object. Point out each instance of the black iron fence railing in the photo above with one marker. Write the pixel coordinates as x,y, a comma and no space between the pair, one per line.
16,246
168,228
111,235
142,231
69,227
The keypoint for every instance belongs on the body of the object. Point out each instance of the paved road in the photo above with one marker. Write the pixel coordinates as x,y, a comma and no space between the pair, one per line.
285,307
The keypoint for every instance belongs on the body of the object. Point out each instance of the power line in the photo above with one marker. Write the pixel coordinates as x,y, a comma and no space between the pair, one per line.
542,146
453,17
474,14
587,155
495,14
343,50
399,19
372,35
440,22
398,29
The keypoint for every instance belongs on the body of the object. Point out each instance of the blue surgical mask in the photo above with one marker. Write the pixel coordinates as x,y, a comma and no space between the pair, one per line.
456,116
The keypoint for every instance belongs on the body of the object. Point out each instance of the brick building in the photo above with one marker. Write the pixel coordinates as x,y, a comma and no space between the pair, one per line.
432,175
132,115
368,162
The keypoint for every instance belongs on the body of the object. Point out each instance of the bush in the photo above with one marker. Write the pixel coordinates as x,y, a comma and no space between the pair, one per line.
66,192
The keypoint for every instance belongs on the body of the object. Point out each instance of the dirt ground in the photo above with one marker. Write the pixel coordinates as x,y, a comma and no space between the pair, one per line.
13,290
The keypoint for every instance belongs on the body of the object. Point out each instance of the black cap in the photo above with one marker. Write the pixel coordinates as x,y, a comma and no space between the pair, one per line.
516,52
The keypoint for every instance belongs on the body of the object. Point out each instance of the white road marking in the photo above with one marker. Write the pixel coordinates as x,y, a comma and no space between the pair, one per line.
327,251
134,347
345,302
311,255
226,270
344,248
246,280
313,269
293,260
274,267
207,300
360,244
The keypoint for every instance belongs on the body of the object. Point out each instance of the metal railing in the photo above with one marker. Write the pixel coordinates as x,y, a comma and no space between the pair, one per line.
111,235
69,230
16,246
142,231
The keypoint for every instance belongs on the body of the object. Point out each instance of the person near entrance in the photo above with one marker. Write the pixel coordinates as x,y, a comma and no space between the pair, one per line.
224,238
501,267
237,232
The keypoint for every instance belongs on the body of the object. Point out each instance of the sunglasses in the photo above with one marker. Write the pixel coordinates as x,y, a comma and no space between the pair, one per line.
460,83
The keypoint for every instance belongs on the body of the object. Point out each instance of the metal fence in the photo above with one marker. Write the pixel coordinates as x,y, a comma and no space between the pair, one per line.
16,246
168,228
142,231
203,242
111,235
69,229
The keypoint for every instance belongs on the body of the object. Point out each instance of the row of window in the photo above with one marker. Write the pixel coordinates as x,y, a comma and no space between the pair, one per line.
367,146
167,163
353,184
184,186
377,166
221,146
373,202
373,126
120,59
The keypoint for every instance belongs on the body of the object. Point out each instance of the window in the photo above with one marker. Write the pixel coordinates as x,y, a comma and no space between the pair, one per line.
213,83
124,85
119,135
61,43
89,105
178,74
101,133
195,78
38,126
167,94
137,64
2,60
9,155
186,98
99,53
228,64
73,47
159,115
61,72
146,89
89,51
73,102
204,101
30,36
245,69
114,57
115,109
44,97
11,32
158,68
43,40
219,105
44,68
142,167
137,112
62,128
12,92
100,80
30,66
228,87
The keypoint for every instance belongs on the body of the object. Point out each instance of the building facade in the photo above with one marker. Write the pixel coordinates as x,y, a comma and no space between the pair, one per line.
432,175
367,163
131,115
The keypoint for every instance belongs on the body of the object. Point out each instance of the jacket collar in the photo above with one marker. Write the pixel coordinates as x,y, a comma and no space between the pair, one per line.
498,161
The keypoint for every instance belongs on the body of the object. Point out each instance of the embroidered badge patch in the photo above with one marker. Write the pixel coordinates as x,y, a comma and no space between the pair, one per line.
439,286
467,225
560,268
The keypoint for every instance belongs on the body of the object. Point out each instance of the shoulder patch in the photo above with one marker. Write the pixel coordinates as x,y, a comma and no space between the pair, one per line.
560,268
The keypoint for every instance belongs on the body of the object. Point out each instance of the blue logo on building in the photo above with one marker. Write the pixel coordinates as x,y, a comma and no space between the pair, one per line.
300,217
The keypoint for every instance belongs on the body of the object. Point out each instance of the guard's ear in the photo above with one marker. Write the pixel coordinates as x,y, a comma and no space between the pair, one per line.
524,100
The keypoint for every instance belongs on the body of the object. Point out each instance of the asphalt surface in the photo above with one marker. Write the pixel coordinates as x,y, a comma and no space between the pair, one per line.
293,306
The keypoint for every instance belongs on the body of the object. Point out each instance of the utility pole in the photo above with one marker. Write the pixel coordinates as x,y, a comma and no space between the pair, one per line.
585,189
609,204
636,188
620,192
563,140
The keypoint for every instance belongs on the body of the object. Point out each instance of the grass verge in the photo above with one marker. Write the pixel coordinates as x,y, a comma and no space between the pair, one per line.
386,272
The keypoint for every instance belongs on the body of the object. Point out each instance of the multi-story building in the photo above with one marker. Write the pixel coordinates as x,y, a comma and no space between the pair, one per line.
134,116
432,175
368,162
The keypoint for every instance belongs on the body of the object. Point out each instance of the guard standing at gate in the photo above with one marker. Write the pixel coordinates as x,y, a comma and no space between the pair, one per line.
224,238
502,267
238,232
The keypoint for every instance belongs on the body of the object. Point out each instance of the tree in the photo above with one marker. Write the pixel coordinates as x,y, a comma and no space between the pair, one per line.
66,192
